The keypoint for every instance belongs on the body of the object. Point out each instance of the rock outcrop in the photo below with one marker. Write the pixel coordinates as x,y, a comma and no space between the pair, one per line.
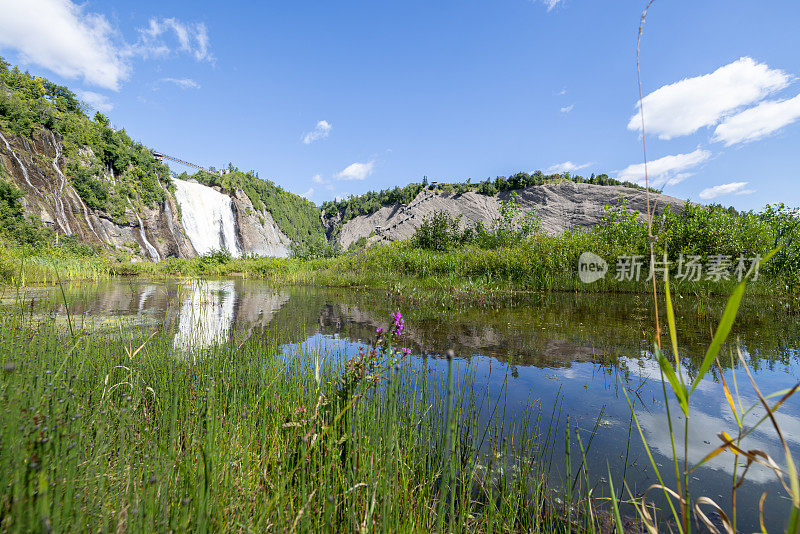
37,167
258,233
560,205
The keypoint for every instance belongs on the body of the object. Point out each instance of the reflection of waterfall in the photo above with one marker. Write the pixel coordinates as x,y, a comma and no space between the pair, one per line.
206,314
144,295
207,216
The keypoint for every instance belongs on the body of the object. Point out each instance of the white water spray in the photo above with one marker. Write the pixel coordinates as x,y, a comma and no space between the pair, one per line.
207,217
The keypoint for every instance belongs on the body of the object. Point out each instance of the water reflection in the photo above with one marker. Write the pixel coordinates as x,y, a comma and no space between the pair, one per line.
576,352
206,314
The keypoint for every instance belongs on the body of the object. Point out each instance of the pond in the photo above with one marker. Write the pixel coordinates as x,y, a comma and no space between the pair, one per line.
570,358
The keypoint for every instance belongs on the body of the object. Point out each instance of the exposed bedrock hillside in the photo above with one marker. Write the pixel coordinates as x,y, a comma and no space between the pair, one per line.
560,205
38,167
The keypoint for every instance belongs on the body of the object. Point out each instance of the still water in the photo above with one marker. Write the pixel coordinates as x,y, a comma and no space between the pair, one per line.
569,356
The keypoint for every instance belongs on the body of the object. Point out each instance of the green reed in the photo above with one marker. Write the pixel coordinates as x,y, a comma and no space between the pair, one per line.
122,431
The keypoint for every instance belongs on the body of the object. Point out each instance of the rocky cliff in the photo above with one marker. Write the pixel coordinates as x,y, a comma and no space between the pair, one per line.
560,205
38,167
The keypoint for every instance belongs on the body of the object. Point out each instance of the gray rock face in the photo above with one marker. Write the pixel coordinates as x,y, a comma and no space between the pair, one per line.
560,205
37,167
258,233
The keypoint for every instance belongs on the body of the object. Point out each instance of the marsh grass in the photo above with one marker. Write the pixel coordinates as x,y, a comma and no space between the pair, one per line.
542,263
121,431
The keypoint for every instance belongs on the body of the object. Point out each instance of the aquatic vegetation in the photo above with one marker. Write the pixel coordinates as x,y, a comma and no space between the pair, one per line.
124,432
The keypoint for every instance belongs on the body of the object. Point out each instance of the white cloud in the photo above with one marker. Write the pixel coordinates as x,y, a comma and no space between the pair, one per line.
320,131
678,178
567,109
664,170
63,38
356,171
551,4
318,179
183,83
735,188
686,106
96,100
308,194
567,166
191,37
759,121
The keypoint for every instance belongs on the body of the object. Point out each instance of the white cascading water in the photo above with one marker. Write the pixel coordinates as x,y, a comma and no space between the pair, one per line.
207,217
14,154
59,151
151,250
59,197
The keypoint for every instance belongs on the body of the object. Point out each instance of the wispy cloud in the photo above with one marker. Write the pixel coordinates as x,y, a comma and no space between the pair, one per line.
758,122
567,166
684,107
164,36
733,188
183,83
356,171
667,170
319,180
567,109
551,4
97,101
67,39
64,38
308,194
320,131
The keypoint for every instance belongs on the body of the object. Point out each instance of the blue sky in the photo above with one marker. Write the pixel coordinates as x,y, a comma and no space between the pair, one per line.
336,98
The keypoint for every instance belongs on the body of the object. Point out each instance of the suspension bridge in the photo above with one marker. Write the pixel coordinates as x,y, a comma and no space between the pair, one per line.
160,156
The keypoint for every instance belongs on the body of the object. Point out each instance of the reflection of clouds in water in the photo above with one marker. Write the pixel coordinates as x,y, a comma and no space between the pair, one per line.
206,314
710,414
703,427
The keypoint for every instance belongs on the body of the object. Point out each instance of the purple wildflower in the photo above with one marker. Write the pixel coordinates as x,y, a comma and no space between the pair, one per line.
399,323
406,352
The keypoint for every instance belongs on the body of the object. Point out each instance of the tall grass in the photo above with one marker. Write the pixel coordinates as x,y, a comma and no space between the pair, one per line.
24,266
541,263
123,432
687,511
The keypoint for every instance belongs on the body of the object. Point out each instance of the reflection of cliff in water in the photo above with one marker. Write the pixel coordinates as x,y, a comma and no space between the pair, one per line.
211,308
547,330
434,338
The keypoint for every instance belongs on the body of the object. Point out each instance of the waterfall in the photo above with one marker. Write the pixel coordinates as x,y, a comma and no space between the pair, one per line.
168,214
59,151
207,217
21,166
58,196
151,250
